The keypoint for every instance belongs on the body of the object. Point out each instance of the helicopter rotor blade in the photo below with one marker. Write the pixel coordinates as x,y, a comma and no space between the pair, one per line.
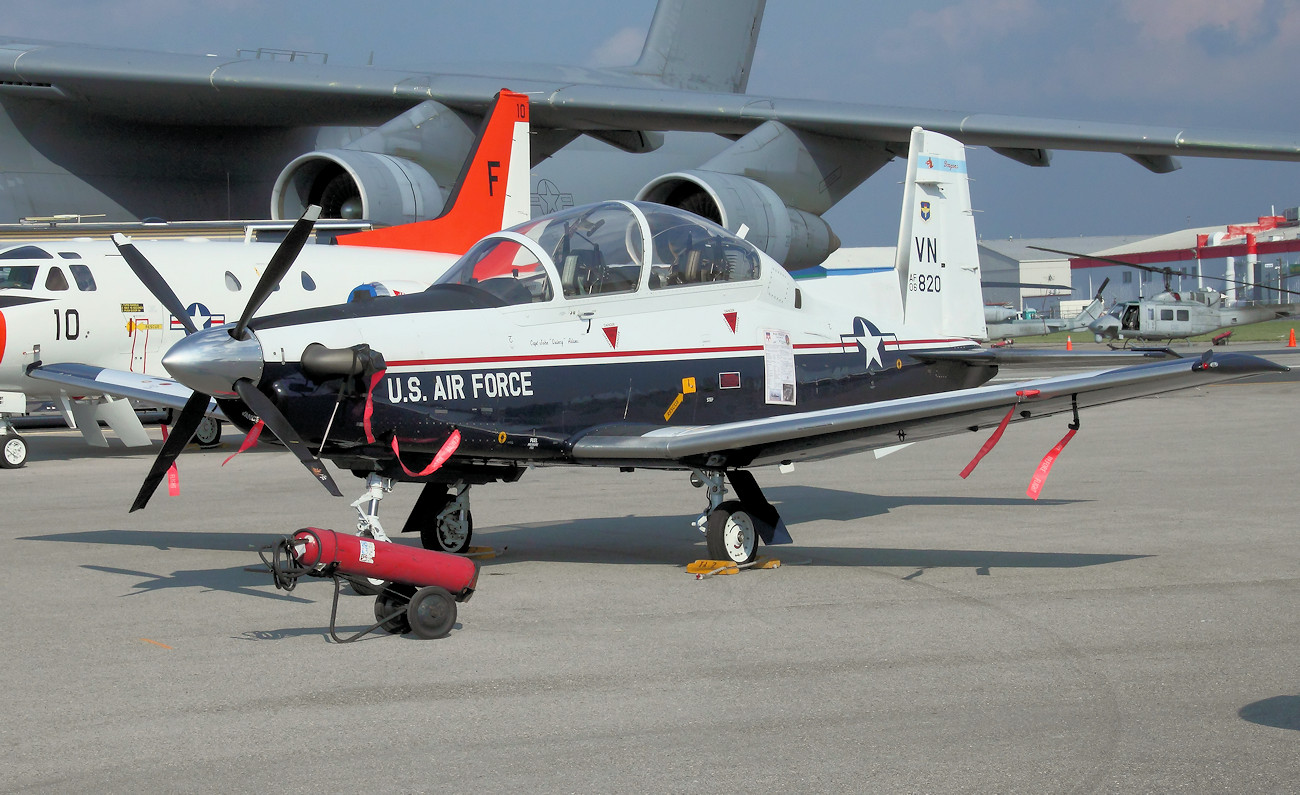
153,281
1166,271
262,406
183,429
281,261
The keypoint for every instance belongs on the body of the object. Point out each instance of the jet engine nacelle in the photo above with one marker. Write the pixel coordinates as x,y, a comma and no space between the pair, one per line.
352,185
795,238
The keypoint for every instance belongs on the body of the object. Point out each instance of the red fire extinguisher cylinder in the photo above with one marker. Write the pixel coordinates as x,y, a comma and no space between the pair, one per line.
382,560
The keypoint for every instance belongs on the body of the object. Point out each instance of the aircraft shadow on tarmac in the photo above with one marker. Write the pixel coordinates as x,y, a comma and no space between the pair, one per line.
231,580
802,503
323,632
1279,712
657,540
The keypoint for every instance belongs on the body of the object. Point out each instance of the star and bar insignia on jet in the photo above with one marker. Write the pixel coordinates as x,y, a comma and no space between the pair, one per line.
202,317
869,340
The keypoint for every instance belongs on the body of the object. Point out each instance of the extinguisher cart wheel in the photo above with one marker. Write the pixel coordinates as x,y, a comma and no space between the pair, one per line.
390,608
432,612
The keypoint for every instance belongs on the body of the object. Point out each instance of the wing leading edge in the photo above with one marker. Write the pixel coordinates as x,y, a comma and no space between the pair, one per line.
833,432
190,89
85,379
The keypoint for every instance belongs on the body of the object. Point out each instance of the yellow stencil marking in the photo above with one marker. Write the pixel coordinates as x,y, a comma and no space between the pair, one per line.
688,386
669,413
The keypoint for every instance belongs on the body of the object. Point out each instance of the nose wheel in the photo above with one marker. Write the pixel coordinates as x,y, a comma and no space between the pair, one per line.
208,433
443,518
15,451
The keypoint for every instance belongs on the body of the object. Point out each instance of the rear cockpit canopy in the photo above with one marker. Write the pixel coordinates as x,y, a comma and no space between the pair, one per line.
601,249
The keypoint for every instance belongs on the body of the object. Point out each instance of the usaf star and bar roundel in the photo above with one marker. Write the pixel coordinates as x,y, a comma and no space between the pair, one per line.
200,315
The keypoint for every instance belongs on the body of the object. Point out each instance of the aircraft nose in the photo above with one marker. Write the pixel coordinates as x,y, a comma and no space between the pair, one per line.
211,361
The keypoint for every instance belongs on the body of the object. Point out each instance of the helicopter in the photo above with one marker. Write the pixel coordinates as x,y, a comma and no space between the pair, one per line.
1171,314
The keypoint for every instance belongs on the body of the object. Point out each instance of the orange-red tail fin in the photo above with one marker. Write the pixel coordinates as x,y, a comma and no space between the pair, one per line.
491,193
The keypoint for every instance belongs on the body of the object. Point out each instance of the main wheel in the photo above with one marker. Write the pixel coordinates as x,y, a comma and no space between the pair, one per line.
208,433
432,612
732,534
15,451
390,601
444,537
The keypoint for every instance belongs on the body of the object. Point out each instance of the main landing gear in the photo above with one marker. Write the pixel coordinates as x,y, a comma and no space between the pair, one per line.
733,528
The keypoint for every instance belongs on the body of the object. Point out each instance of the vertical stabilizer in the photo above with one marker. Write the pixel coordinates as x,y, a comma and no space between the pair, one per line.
938,255
491,193
706,46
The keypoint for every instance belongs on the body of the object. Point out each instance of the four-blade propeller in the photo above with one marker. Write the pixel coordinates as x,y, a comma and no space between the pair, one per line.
187,422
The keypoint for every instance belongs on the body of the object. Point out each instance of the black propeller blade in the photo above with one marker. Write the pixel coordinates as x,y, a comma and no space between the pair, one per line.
196,407
279,265
184,427
279,425
147,273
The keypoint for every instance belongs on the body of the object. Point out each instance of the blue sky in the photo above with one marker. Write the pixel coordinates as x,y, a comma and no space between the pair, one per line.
1197,64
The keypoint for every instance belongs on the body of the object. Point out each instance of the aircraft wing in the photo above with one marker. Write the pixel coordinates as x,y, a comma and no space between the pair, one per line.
1045,356
85,379
832,432
189,89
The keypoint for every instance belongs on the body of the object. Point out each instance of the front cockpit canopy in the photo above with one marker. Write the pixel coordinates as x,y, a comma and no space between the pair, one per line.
601,249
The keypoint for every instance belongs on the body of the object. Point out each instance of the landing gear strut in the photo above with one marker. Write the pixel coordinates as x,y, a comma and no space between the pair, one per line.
443,518
368,526
732,528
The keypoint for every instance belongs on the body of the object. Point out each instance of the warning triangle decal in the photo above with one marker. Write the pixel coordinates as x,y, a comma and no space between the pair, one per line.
611,334
731,320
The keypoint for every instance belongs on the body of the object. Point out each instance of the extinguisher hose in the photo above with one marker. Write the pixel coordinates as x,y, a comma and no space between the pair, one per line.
285,569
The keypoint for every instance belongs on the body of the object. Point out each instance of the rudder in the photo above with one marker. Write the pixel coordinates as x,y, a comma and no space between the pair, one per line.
706,46
491,193
938,253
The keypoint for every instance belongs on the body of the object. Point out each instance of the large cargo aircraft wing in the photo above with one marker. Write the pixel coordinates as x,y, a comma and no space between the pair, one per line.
832,432
187,89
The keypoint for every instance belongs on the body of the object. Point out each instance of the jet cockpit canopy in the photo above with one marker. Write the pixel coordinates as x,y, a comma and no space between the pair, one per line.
601,249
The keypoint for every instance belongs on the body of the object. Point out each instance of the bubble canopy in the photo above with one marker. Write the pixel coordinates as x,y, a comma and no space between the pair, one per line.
604,249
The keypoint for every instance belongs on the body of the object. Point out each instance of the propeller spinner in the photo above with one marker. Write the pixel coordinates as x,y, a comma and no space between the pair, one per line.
223,362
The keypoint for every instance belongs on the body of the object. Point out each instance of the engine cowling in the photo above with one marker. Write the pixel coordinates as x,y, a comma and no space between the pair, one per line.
795,238
353,185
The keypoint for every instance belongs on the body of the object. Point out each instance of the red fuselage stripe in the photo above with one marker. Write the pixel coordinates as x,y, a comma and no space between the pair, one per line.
551,357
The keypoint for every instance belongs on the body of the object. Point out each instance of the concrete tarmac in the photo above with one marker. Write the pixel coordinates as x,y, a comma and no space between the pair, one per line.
1136,629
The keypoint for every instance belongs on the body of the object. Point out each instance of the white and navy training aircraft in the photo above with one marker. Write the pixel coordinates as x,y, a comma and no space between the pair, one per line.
82,301
637,335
